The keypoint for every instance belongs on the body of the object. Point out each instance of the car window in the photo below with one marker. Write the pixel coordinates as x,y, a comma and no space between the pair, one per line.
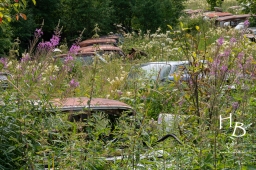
86,59
165,72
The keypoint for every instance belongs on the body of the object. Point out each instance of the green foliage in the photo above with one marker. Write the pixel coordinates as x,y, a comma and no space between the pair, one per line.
193,22
248,5
76,16
32,136
162,13
214,3
5,40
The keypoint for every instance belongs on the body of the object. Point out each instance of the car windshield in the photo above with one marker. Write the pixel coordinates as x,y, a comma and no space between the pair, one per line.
85,59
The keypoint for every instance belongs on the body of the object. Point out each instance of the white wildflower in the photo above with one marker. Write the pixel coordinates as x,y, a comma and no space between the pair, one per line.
128,93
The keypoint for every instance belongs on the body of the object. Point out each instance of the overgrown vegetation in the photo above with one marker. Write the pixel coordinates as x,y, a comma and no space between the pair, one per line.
221,89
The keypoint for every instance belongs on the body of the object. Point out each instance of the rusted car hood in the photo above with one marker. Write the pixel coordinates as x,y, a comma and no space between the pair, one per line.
79,103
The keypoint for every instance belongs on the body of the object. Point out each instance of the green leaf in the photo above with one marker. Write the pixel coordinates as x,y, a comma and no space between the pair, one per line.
169,27
181,25
16,4
24,2
34,2
8,18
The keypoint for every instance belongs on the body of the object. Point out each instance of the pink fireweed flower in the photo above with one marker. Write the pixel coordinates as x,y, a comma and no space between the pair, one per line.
74,49
3,61
67,68
68,59
220,41
48,45
25,58
235,105
240,61
73,83
226,53
45,45
55,40
240,55
232,41
52,78
246,23
224,68
38,33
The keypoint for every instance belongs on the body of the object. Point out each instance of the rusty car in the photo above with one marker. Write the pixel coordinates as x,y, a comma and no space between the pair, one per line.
88,106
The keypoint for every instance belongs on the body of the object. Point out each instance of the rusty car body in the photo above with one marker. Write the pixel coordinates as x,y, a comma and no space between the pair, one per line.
214,14
232,19
97,41
79,108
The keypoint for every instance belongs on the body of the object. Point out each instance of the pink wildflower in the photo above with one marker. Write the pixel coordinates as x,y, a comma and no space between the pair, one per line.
3,61
38,33
220,41
68,59
74,49
73,83
246,23
55,40
232,41
25,58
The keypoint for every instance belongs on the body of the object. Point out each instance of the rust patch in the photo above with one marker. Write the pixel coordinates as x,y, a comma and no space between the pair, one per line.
234,17
83,102
217,14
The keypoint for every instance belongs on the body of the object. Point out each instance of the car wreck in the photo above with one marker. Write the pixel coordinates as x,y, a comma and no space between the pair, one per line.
89,106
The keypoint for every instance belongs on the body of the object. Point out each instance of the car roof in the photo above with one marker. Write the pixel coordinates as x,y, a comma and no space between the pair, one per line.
213,14
234,17
79,103
89,42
